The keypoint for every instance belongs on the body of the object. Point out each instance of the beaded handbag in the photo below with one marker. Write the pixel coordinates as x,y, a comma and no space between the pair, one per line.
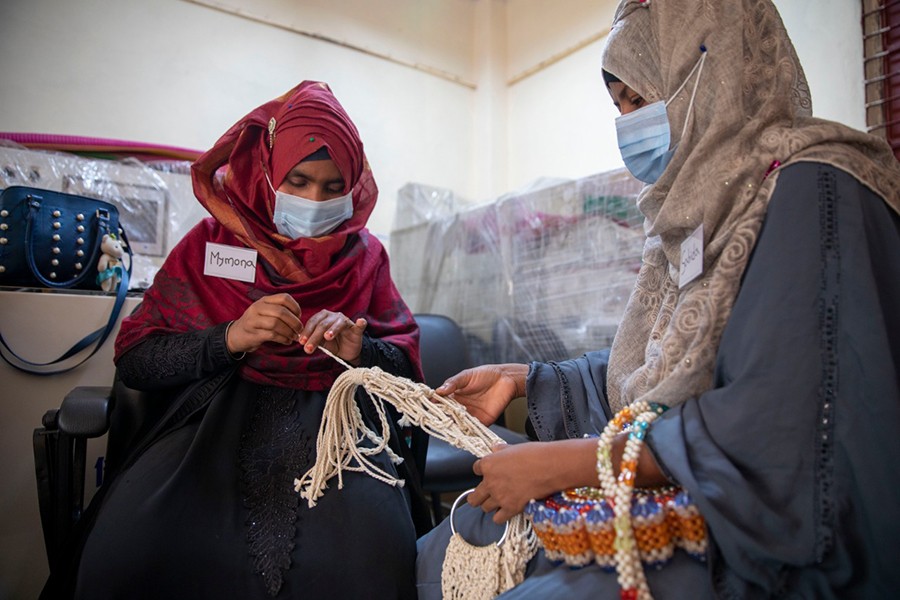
617,526
576,526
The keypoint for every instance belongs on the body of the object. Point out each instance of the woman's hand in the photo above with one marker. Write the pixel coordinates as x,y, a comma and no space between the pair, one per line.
336,333
273,318
515,474
486,391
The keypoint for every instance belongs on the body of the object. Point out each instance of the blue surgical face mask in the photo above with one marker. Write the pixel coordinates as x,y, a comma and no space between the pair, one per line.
644,139
644,135
297,217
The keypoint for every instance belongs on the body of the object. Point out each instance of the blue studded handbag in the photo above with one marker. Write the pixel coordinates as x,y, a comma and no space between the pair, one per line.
52,239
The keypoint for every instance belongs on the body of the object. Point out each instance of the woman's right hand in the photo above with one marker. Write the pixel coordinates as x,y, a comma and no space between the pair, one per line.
487,390
274,318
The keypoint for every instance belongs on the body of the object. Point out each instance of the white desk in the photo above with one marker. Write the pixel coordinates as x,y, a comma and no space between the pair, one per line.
40,326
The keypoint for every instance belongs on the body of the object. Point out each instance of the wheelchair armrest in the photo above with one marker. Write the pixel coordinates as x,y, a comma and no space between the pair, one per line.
85,411
59,455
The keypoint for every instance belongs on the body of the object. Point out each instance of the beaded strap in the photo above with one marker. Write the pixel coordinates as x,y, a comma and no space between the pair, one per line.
632,581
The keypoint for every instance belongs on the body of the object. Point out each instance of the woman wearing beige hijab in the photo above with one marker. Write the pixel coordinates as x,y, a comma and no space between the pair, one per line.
765,317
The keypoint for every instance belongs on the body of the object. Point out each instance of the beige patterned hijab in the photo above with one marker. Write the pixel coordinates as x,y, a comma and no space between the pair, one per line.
752,108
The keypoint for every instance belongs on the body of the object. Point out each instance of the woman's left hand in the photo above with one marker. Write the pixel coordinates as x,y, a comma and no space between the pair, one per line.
336,333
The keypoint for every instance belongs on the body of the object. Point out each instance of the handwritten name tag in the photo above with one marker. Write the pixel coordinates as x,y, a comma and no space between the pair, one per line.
230,262
691,257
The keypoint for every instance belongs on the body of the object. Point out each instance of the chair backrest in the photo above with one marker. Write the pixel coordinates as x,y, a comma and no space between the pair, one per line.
442,347
135,413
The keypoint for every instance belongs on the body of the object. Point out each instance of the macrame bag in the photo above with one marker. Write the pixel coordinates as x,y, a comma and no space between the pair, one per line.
616,526
469,572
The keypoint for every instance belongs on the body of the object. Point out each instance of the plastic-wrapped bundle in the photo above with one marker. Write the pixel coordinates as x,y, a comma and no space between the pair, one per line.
540,274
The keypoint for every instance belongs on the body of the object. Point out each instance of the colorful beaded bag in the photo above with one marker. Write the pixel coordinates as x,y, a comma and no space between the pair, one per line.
617,526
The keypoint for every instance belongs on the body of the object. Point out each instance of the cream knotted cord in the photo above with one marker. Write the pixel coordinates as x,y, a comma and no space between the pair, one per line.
342,430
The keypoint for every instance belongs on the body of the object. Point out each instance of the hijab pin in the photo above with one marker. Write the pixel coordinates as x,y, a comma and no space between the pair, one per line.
271,132
312,139
702,47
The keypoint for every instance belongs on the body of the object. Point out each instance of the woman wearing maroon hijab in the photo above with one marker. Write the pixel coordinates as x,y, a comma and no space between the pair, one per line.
226,338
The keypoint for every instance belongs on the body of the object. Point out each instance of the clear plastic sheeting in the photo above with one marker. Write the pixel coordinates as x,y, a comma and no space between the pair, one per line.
155,200
541,274
418,204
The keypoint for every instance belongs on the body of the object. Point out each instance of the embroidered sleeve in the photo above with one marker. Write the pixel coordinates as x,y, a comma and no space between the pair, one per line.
567,399
170,360
376,353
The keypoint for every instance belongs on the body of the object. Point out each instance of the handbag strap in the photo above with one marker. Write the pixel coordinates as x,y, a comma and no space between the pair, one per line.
95,337
101,218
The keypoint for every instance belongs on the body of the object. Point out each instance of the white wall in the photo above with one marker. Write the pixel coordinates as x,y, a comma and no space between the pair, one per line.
561,118
828,37
176,73
179,73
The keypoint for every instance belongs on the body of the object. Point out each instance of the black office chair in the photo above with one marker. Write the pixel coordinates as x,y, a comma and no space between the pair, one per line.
443,349
60,448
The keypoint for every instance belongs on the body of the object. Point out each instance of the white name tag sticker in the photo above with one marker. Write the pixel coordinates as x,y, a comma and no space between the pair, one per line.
230,262
691,257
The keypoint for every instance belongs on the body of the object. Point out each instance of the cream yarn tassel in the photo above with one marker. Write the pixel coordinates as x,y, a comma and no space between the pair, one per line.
337,449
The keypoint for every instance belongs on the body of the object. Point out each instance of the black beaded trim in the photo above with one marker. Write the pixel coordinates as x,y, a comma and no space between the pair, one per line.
828,327
272,453
162,357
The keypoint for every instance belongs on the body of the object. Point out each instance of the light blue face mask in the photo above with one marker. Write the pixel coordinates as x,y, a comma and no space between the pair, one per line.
644,139
644,135
298,217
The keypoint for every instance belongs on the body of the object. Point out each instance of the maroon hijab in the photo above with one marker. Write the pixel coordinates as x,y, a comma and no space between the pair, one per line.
346,271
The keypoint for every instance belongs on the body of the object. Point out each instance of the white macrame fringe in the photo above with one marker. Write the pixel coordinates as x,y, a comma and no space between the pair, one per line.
338,449
343,428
